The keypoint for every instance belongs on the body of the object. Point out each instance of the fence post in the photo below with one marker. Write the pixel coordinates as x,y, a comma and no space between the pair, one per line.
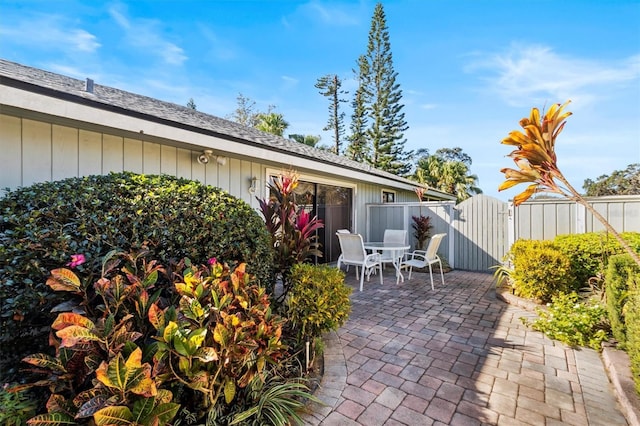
581,219
452,239
511,226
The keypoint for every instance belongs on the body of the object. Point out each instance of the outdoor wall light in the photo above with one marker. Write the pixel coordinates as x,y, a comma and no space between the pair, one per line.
207,155
252,184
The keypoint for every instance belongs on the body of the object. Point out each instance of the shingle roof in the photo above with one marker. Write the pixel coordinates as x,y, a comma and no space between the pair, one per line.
74,90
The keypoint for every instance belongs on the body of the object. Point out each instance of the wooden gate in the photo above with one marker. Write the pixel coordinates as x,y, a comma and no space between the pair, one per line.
480,231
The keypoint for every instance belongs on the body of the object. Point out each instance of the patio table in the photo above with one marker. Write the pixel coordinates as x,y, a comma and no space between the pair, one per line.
397,251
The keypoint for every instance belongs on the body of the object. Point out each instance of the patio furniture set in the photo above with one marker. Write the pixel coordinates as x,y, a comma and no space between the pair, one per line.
370,257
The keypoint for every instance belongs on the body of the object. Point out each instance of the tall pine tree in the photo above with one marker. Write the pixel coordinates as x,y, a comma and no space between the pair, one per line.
330,86
381,97
358,148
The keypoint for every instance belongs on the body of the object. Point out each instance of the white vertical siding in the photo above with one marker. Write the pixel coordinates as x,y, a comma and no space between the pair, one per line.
36,151
64,151
184,162
11,137
151,158
168,160
132,155
90,153
112,153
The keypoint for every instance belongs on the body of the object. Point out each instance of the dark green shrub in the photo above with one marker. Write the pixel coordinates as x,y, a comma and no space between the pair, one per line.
620,268
589,253
573,322
318,300
43,225
540,271
632,324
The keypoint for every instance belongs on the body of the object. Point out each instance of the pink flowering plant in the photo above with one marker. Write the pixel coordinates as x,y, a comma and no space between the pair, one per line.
293,230
76,260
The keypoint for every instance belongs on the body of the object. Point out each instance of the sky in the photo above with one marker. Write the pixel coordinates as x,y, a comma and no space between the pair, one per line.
468,70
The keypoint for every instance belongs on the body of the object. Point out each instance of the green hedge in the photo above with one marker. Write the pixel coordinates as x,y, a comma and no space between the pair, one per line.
632,324
318,301
43,225
540,271
589,253
621,267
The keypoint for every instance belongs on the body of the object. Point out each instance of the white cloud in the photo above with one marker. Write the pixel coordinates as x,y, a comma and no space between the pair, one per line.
51,32
538,73
220,49
289,82
84,41
146,35
335,14
428,106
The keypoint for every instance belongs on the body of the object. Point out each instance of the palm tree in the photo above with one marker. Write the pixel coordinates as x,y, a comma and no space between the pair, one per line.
273,123
446,173
310,140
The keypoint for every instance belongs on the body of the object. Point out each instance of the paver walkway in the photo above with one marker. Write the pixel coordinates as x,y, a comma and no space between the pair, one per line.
454,356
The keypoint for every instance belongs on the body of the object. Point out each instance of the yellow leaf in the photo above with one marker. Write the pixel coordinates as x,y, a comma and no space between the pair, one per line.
102,376
63,279
67,319
169,331
134,360
74,334
525,195
229,390
113,415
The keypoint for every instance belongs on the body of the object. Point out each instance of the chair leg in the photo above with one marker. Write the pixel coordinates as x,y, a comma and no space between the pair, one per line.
431,276
441,273
380,267
410,271
361,276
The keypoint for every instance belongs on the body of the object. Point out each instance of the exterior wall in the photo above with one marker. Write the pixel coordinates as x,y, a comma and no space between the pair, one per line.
37,151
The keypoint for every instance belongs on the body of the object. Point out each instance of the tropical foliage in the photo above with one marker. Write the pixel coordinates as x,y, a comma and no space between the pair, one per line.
273,123
16,407
536,159
292,229
448,170
309,140
127,352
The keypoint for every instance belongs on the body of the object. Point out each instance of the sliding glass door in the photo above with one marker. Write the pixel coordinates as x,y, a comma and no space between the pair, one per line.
333,205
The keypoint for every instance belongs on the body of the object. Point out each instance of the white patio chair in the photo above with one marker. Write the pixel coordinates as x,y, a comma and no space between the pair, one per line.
353,253
423,258
393,236
342,231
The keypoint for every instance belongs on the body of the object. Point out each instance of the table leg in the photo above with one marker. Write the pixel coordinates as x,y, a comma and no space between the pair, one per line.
396,265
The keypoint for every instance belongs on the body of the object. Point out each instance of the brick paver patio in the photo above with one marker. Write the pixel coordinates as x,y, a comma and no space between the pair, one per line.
454,356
